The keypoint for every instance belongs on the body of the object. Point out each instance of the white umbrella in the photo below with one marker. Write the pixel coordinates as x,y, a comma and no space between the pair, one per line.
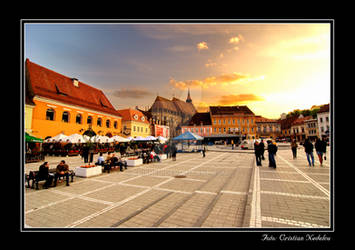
59,137
150,138
119,138
139,138
161,138
76,138
130,138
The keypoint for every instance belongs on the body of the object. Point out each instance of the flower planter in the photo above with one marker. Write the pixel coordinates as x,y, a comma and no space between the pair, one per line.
132,162
162,157
88,171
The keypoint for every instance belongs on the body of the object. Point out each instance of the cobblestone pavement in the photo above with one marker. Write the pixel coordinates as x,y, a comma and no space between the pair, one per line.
222,190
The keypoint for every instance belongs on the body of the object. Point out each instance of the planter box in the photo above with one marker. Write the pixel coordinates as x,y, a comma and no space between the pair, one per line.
88,172
162,157
133,163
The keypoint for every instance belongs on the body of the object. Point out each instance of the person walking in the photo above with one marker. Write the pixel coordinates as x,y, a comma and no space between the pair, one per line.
308,148
204,151
262,149
272,149
257,151
294,148
85,153
320,149
324,148
173,152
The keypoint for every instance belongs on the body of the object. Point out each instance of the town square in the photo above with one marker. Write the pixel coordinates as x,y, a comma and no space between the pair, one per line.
177,126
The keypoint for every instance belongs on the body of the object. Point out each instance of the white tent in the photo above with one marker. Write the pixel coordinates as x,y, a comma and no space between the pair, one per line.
76,138
161,138
60,137
130,138
139,138
150,138
119,139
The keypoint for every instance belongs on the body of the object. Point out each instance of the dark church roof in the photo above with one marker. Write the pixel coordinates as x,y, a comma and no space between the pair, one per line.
200,118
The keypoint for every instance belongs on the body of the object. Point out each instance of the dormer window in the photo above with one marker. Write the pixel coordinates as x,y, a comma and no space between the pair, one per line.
135,117
75,82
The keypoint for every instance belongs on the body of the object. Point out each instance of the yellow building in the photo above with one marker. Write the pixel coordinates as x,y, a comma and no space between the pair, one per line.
134,123
233,120
65,105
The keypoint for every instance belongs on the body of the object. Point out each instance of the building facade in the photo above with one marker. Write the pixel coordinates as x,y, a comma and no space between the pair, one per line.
323,119
298,128
267,128
66,105
199,124
311,128
173,113
134,123
233,120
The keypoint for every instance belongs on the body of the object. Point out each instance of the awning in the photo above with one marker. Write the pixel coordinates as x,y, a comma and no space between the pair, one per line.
188,136
30,138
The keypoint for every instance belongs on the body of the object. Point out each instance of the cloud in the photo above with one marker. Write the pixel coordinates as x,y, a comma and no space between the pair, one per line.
202,45
180,48
235,99
236,39
220,80
131,93
228,100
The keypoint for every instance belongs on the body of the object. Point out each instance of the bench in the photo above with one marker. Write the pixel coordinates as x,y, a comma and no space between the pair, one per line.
33,175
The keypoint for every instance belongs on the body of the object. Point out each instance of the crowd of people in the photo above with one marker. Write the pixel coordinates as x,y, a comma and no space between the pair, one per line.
319,145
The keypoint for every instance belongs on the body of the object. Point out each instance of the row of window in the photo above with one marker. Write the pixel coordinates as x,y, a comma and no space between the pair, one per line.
321,119
198,130
269,129
248,130
50,115
139,129
239,121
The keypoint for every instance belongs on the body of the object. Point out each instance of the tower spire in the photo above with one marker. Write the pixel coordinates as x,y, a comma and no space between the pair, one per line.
188,100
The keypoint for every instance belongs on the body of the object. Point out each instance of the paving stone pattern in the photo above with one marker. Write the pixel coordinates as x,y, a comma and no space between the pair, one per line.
223,190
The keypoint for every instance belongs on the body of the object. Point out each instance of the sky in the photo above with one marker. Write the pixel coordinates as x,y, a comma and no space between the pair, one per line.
273,68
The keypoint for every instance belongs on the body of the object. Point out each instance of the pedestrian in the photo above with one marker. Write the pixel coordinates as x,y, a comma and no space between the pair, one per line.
319,150
85,153
262,149
324,148
294,148
232,144
257,151
173,152
272,149
204,151
308,148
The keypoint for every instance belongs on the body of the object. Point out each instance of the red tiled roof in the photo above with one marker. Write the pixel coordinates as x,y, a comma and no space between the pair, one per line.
263,119
50,84
301,120
128,115
324,108
175,104
199,118
230,110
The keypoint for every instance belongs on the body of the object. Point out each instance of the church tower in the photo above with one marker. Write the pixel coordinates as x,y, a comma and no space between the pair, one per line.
188,100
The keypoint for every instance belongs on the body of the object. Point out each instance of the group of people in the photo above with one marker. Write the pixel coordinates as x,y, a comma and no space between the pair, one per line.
62,170
111,161
319,145
259,149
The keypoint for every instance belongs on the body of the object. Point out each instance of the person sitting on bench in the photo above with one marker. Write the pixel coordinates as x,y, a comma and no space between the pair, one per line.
154,156
62,170
100,160
43,174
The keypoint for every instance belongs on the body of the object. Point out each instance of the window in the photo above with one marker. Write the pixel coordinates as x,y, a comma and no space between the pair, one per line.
321,119
134,128
50,114
78,119
214,121
115,125
220,130
327,119
224,130
99,122
89,120
229,121
219,121
65,116
146,130
107,123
